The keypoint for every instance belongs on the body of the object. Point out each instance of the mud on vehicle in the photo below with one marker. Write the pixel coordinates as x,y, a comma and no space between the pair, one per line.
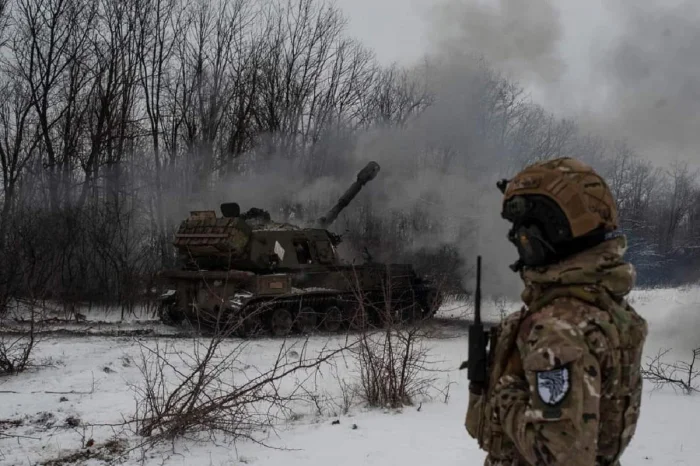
248,274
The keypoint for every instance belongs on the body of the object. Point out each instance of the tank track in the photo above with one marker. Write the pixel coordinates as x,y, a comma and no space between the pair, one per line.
303,313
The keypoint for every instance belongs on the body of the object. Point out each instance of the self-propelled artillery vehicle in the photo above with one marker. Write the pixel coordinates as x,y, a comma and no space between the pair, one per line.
245,272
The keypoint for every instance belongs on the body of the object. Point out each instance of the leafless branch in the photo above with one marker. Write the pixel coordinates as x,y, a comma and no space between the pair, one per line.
679,375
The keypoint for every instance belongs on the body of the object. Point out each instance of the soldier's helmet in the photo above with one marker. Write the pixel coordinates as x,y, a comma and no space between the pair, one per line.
557,208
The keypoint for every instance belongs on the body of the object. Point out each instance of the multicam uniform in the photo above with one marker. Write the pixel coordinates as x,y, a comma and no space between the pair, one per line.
564,385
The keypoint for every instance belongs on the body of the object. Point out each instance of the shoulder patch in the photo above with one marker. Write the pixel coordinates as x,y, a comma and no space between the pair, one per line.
553,385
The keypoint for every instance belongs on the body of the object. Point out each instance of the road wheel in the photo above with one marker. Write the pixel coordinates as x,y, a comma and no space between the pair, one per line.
332,319
169,314
164,313
249,325
281,322
306,320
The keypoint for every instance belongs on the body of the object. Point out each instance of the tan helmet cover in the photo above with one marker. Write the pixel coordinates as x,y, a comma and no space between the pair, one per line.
582,194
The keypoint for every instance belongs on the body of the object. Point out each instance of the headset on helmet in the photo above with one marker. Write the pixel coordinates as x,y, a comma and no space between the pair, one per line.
557,208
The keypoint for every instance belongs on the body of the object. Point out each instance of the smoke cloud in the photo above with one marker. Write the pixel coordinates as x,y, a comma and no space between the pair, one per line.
635,77
519,37
652,75
438,169
642,78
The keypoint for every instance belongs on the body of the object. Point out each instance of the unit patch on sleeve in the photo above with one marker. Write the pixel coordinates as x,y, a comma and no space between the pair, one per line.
553,385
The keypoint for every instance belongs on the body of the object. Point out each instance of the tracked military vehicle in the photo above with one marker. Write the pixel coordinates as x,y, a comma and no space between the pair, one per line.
246,272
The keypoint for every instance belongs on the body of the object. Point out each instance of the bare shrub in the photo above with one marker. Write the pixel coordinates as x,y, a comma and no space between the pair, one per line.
208,389
123,259
16,348
679,375
15,352
392,365
29,261
393,361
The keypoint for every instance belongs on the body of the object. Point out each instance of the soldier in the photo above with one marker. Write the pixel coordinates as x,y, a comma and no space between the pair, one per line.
564,384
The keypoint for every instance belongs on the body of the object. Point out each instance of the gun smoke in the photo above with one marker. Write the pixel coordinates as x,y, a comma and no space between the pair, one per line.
634,80
437,167
520,38
645,79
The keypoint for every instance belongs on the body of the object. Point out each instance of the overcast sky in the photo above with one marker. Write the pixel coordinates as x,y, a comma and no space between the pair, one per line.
628,68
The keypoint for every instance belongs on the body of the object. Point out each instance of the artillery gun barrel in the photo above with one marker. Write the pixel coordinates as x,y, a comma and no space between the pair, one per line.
363,177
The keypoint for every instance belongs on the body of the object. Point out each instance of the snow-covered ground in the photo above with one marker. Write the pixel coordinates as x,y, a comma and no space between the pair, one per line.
90,381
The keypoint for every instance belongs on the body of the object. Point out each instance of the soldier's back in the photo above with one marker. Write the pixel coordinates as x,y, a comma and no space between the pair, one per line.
606,337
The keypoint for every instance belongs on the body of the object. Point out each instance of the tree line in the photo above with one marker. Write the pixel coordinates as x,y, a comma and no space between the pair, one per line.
117,116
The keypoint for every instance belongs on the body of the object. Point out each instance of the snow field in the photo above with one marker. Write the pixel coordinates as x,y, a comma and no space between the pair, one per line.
95,378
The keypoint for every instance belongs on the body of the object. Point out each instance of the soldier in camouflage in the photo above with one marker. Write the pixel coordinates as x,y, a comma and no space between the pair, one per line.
564,384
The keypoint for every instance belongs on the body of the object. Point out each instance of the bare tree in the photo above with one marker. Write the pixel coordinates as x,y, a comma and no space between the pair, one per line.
159,24
394,96
18,141
212,58
52,57
680,197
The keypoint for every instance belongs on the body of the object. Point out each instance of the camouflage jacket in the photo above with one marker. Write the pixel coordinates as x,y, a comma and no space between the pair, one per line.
564,382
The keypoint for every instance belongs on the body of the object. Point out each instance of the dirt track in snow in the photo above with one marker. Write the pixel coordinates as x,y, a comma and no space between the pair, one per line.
439,327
